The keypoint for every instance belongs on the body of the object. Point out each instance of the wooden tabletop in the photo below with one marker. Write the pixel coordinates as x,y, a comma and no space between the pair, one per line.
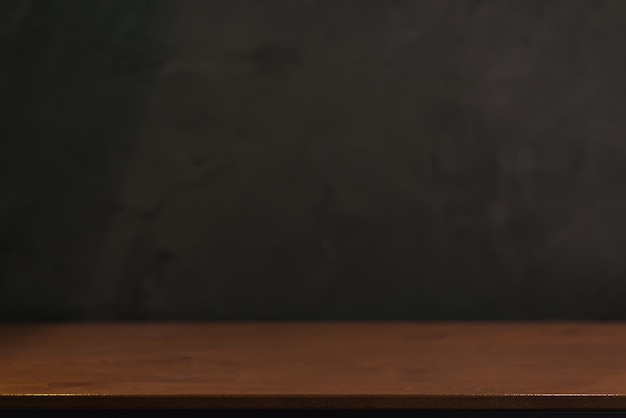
314,365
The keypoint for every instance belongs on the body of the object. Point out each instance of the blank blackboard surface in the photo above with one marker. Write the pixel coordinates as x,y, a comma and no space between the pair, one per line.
312,160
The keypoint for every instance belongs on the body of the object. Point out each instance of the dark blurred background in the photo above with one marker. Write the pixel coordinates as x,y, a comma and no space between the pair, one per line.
312,159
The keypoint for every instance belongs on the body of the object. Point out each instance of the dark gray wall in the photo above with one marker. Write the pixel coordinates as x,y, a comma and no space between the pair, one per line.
312,159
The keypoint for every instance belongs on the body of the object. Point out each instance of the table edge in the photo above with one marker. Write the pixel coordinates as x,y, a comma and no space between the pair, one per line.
317,401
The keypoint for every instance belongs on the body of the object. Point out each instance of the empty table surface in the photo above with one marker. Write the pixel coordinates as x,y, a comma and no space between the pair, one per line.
353,365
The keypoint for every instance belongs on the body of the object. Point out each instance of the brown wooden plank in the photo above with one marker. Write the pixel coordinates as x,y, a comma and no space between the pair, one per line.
469,365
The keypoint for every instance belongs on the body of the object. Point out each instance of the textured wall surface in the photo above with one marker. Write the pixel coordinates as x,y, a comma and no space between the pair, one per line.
329,159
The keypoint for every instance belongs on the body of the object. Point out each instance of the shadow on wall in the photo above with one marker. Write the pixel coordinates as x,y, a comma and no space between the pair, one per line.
75,77
313,159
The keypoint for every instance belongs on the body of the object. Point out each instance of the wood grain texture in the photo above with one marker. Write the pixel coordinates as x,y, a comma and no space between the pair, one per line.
393,365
